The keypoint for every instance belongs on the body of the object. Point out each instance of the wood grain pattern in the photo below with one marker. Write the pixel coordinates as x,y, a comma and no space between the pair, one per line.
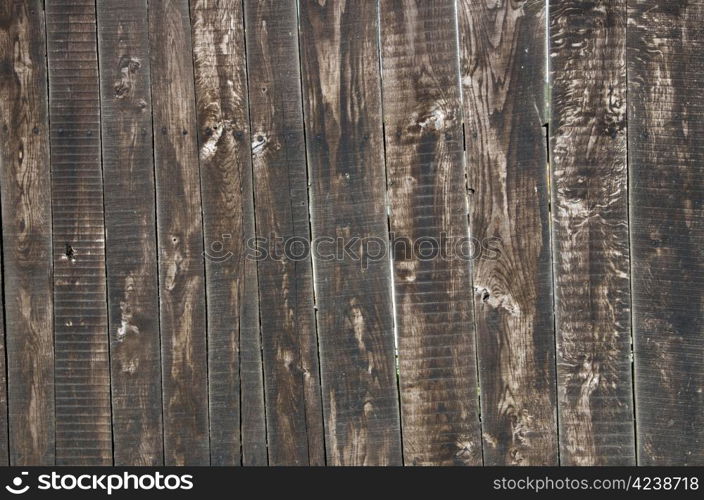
592,288
344,139
132,281
502,47
427,194
82,376
666,160
4,449
453,214
228,216
26,229
294,407
179,236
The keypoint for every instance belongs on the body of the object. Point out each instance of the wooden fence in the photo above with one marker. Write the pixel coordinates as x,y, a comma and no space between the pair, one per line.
352,232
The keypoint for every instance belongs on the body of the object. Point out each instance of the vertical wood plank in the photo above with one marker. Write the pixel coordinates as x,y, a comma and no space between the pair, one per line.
26,229
179,236
132,281
344,139
294,411
427,190
235,367
82,377
592,288
4,451
666,156
503,76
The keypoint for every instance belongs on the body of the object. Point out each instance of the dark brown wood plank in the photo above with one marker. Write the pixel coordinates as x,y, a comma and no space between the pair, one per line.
590,215
4,451
503,74
344,138
294,411
179,236
132,281
228,213
82,376
26,230
666,159
427,194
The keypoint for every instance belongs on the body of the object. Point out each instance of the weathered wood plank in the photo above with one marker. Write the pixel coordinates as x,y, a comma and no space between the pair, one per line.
590,214
294,407
427,194
26,230
4,451
179,236
82,376
235,361
132,281
503,76
666,159
344,139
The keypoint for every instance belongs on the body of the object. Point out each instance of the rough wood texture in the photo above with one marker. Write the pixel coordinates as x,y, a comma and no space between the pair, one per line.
590,214
26,231
235,368
426,179
133,318
502,47
146,144
294,411
4,449
82,377
666,156
179,236
342,106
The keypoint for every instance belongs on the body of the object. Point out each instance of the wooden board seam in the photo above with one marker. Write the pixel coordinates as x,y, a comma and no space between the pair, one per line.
105,239
310,226
5,439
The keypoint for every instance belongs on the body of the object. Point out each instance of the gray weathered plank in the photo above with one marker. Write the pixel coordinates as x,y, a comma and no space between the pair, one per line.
344,139
665,54
503,75
590,215
82,376
235,361
26,230
294,408
427,195
179,236
132,281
